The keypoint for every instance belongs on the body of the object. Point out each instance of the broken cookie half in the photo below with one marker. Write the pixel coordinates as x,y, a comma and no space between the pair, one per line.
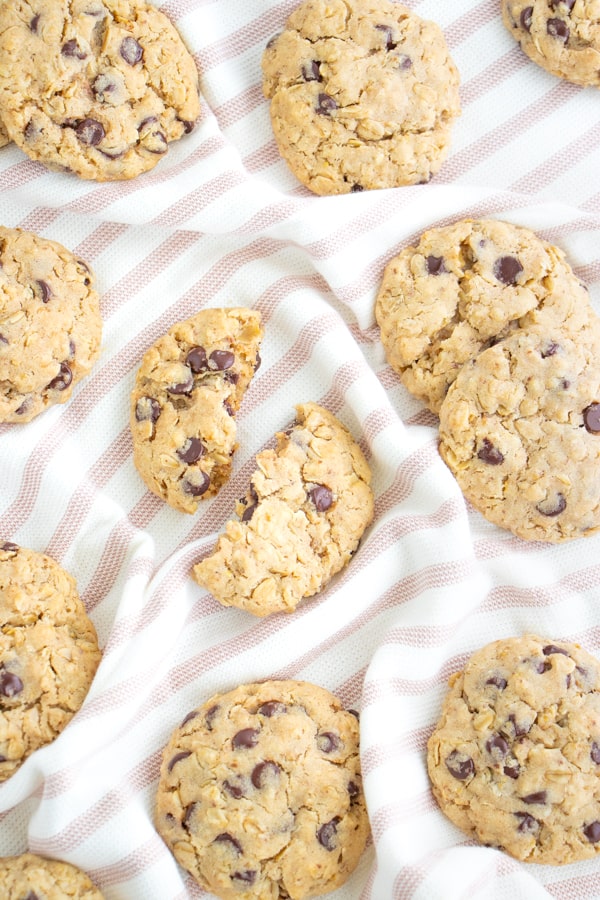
307,506
188,388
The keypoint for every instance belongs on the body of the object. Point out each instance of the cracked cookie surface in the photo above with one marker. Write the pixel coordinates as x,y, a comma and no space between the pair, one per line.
29,876
363,95
520,430
48,653
462,288
561,36
260,792
514,760
97,87
50,324
188,388
307,507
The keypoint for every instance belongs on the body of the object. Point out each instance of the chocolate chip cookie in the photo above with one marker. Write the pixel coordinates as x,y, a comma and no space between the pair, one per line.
29,877
48,653
260,792
520,430
514,760
307,506
462,288
363,95
187,390
97,87
50,324
561,36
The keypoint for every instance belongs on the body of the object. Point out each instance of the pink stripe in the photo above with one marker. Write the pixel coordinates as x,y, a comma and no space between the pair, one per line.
560,162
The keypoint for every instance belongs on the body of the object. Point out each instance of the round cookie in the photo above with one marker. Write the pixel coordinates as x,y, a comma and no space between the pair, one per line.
96,87
260,792
520,430
48,653
307,507
561,36
514,760
462,288
28,876
50,324
187,390
363,95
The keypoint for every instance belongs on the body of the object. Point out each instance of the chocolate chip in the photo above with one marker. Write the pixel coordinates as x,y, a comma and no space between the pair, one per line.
182,387
219,360
264,772
244,739
595,753
210,716
327,834
177,758
196,488
311,71
3,339
435,265
226,838
272,40
321,497
526,17
272,708
390,44
325,105
355,713
513,770
9,547
31,895
356,189
404,62
104,84
228,407
188,127
90,131
552,506
353,789
489,454
63,379
497,746
549,649
328,742
507,269
188,813
33,25
131,51
459,765
536,797
73,50
543,667
248,876
191,715
154,141
527,825
234,790
197,360
10,684
592,832
44,290
147,409
591,418
191,451
249,512
257,362
518,729
497,681
559,29
550,349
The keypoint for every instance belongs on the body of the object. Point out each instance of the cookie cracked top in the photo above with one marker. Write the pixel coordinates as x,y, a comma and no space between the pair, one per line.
363,95
514,759
260,793
307,506
97,87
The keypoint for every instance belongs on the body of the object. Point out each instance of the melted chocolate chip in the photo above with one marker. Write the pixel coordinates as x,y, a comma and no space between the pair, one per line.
513,770
549,649
226,838
390,44
550,350
497,681
327,834
543,667
328,742
131,51
191,715
44,290
219,360
73,50
90,132
591,418
188,813
191,451
264,772
248,876
321,497
182,387
435,265
552,506
244,739
353,789
356,189
459,765
592,832
325,105
177,758
234,790
147,409
489,454
554,4
497,746
404,62
63,379
507,269
595,753
197,360
536,797
527,824
9,547
10,684
196,489
249,512
558,29
272,708
526,18
519,730
311,71
33,25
